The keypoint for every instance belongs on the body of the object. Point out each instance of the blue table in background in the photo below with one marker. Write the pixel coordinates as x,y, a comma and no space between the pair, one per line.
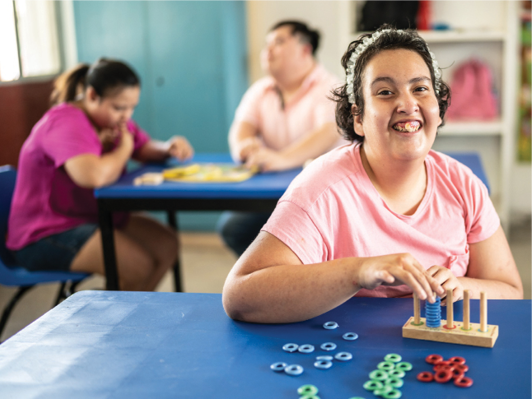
260,193
109,344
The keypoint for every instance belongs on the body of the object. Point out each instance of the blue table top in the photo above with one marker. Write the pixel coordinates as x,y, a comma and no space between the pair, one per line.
101,344
270,185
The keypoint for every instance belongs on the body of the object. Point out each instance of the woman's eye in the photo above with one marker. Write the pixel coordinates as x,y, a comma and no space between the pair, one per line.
384,93
422,88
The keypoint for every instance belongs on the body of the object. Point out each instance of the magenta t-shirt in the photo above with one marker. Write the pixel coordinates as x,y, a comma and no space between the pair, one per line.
46,201
333,211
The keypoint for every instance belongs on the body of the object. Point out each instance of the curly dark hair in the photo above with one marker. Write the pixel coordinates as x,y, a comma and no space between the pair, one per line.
392,40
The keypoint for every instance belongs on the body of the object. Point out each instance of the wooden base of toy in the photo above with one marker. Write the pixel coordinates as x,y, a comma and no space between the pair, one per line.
472,337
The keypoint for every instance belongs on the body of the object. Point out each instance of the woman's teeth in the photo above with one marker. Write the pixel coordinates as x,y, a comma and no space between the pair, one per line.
407,126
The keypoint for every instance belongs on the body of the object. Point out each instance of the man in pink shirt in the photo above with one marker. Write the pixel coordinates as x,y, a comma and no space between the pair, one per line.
283,120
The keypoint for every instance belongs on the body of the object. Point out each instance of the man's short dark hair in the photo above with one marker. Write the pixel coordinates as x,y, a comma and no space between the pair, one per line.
307,35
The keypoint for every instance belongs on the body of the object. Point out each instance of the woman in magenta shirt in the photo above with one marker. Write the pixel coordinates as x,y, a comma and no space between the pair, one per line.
82,143
385,216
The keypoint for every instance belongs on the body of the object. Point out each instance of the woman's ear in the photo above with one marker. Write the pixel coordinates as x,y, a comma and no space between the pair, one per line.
358,126
91,95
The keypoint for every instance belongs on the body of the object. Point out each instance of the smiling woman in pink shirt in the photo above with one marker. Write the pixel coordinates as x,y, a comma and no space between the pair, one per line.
386,216
83,142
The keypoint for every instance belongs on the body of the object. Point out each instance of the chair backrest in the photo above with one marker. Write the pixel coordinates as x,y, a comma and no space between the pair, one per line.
8,176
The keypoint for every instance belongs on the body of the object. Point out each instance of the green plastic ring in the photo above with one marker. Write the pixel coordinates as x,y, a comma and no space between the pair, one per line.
393,394
379,375
393,357
386,366
405,366
395,373
371,385
307,390
394,382
356,397
383,391
309,397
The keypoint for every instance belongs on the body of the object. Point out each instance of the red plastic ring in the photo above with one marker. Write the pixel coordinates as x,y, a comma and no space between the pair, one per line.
464,382
461,367
425,376
440,367
457,374
457,360
433,359
443,376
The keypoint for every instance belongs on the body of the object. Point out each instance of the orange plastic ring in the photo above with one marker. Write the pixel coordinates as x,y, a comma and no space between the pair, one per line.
433,359
443,376
425,376
464,382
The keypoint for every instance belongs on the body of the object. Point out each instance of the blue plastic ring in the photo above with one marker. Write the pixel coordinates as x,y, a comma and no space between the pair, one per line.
306,348
330,358
350,336
293,369
330,325
323,364
290,347
343,356
279,366
328,346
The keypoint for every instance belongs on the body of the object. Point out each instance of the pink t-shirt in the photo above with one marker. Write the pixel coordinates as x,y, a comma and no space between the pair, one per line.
46,201
332,211
280,125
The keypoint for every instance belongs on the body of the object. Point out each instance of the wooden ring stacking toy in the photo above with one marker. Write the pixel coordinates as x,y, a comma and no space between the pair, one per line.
464,382
433,359
443,376
425,376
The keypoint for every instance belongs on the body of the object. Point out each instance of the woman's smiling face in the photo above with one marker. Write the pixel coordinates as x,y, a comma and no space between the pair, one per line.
401,112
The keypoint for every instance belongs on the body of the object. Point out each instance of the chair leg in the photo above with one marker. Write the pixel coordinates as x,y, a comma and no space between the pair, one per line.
9,308
66,290
61,294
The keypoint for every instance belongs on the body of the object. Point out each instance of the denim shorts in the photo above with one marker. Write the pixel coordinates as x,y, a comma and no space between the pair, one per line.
56,252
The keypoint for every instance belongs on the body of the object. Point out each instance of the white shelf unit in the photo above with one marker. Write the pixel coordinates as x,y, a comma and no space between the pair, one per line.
488,31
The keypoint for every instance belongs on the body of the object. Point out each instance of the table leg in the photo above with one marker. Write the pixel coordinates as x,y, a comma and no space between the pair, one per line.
105,219
172,221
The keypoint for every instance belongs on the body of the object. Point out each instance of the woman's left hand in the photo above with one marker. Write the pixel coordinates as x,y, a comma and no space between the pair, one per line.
180,148
448,281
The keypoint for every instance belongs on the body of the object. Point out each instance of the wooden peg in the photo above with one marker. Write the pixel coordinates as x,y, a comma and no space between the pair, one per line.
483,312
450,308
417,312
466,310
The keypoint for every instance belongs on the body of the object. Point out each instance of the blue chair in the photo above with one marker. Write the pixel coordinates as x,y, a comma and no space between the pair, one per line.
13,275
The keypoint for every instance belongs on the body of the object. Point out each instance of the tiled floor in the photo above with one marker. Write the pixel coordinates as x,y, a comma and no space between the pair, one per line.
206,263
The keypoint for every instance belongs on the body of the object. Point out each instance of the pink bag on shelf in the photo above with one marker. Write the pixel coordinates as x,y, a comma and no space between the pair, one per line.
472,96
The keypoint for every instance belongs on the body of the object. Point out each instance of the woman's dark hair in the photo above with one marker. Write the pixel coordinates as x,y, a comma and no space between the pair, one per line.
104,76
391,40
306,35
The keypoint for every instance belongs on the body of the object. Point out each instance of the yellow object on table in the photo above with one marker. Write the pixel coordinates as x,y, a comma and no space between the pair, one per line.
209,173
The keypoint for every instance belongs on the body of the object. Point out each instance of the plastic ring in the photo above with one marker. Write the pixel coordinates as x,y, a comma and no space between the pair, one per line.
457,360
306,348
323,364
457,374
293,369
405,366
443,376
393,357
379,375
396,373
290,347
328,346
382,391
461,367
350,336
330,325
279,366
443,367
433,359
329,358
386,366
307,390
393,394
394,382
310,397
371,385
464,382
343,356
425,376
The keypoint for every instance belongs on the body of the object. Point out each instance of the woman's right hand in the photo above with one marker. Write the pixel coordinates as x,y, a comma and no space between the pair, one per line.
126,138
397,269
